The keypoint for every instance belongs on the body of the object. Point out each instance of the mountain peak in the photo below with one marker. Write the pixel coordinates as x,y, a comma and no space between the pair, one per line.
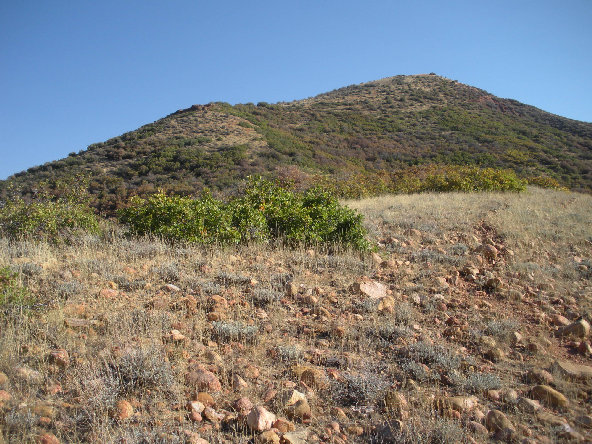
365,130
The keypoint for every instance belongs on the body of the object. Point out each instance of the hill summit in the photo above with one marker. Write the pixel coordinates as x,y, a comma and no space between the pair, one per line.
361,132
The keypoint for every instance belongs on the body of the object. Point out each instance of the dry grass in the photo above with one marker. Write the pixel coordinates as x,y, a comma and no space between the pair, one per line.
237,319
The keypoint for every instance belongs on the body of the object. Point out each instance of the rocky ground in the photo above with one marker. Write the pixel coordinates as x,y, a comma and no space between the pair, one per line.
470,323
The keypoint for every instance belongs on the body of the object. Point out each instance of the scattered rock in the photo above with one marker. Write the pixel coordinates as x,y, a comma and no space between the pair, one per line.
462,404
123,410
539,376
283,425
28,375
489,252
203,380
299,437
251,372
47,438
549,419
496,421
243,405
549,396
291,397
571,370
170,288
370,289
578,329
376,259
196,406
212,415
477,428
528,405
268,437
59,357
260,419
108,293
238,383
558,320
314,377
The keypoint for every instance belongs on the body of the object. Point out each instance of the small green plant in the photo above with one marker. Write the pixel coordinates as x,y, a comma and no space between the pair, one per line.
12,293
56,211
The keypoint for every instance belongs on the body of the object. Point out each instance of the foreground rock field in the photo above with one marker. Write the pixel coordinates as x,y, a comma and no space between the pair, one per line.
470,323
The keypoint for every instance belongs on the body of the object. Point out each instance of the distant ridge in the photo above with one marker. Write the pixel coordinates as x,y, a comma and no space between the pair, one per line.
367,129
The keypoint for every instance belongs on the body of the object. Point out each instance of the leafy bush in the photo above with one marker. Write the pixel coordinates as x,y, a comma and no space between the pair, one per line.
441,178
54,212
545,182
203,220
264,211
422,178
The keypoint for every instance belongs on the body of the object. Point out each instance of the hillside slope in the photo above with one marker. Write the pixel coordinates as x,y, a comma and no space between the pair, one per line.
363,130
474,312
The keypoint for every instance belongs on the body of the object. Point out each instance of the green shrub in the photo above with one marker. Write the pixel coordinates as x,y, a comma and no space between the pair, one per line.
312,217
58,210
545,182
264,211
12,293
203,220
455,178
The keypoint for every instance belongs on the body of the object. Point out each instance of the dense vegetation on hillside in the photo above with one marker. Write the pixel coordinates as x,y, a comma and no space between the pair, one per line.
367,134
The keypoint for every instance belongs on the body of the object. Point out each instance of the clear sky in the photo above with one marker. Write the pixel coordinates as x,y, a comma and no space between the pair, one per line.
77,72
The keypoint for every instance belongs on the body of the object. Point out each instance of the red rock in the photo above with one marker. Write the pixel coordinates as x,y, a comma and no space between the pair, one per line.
205,398
260,419
243,405
108,293
370,288
123,410
195,416
203,380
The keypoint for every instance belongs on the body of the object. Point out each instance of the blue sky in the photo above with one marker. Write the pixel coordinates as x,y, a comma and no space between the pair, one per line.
78,72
